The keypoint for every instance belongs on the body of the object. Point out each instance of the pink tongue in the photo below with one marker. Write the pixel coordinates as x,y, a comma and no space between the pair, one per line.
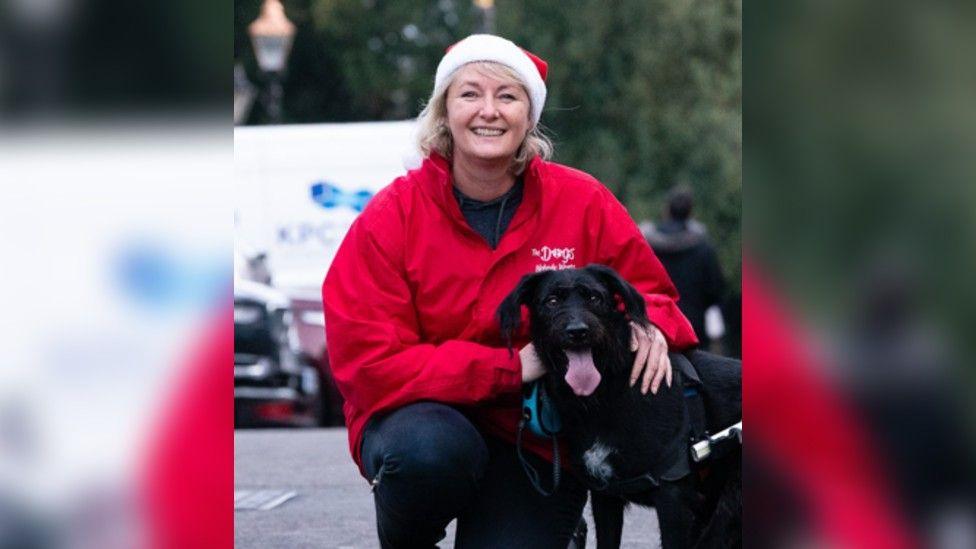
582,376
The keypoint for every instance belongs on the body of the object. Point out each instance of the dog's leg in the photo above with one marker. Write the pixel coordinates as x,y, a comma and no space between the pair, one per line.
675,505
608,519
724,527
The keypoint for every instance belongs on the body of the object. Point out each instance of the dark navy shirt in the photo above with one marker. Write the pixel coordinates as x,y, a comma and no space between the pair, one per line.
491,218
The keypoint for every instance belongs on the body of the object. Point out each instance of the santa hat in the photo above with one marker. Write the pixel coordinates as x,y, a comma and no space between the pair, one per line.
486,47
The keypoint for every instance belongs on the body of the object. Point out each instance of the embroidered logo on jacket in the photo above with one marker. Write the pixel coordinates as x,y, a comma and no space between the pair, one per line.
554,258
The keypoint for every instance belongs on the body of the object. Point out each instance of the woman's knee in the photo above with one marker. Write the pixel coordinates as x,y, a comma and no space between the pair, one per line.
426,461
430,440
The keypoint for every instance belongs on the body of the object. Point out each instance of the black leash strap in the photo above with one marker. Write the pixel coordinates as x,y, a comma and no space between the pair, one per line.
530,471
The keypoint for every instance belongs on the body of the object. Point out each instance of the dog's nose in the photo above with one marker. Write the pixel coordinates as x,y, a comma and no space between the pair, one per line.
577,330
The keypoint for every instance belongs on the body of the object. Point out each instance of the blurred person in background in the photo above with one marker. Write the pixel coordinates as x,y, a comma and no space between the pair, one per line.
682,245
432,393
814,479
901,375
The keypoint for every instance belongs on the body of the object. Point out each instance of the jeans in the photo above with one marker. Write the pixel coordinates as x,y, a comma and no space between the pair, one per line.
429,465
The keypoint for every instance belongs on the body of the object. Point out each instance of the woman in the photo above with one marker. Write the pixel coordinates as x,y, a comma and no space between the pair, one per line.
432,394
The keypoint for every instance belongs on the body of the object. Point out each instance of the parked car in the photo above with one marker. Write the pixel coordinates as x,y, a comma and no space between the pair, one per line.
310,323
275,383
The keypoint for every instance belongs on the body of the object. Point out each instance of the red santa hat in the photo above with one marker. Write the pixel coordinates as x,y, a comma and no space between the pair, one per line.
486,47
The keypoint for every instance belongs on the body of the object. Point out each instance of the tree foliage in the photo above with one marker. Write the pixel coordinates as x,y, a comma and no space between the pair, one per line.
643,94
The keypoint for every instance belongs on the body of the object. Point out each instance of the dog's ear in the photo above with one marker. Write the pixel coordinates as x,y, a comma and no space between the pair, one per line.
510,311
633,300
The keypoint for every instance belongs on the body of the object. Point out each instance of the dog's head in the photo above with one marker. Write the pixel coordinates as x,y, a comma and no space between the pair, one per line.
572,311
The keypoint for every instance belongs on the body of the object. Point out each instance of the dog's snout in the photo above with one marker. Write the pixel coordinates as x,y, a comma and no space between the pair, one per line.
577,330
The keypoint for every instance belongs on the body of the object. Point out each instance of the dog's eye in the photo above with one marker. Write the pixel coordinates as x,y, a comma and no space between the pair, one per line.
552,301
594,298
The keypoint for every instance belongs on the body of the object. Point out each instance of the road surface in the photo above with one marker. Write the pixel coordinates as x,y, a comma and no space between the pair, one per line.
314,497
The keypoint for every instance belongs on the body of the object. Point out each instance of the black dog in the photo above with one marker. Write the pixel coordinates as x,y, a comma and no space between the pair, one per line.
630,447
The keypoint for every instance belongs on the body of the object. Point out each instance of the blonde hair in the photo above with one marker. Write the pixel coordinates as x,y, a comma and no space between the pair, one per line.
434,135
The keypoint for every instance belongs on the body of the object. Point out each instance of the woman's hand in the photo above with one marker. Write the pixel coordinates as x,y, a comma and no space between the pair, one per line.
532,368
652,357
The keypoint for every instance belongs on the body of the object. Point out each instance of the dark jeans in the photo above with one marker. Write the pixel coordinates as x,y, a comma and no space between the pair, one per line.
433,465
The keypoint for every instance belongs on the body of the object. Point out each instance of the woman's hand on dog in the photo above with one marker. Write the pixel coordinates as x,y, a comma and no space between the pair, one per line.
652,358
532,368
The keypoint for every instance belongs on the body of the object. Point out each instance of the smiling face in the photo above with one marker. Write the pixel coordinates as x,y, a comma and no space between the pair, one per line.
488,116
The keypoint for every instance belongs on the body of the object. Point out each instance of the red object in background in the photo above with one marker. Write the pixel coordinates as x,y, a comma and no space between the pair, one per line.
188,482
799,424
272,411
310,323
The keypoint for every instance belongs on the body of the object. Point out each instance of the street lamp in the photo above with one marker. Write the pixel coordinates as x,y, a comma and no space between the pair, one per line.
487,15
243,94
271,36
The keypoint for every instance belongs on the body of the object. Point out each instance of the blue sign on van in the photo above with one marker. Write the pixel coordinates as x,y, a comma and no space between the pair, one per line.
329,196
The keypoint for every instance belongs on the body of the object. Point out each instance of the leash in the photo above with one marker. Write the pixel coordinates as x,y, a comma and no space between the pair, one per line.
541,418
530,471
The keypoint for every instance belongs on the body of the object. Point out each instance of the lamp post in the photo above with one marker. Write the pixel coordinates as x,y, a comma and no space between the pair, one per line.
271,36
487,15
243,94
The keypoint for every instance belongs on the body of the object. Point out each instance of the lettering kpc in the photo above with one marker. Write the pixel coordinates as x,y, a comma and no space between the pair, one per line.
301,233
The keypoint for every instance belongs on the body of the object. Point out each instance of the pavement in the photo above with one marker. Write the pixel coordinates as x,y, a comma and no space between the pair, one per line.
313,496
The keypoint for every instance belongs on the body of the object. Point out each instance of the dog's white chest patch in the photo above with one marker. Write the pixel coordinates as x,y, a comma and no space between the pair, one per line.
597,461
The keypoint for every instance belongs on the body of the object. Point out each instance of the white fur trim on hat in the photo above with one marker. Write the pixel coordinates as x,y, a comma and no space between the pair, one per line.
487,47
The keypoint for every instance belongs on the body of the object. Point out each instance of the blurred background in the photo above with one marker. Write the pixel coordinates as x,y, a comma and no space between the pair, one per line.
859,234
116,163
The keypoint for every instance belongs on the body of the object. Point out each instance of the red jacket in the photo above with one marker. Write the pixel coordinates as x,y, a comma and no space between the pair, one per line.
411,295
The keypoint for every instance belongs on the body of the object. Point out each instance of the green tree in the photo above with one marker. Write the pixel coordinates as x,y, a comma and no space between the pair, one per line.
647,95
